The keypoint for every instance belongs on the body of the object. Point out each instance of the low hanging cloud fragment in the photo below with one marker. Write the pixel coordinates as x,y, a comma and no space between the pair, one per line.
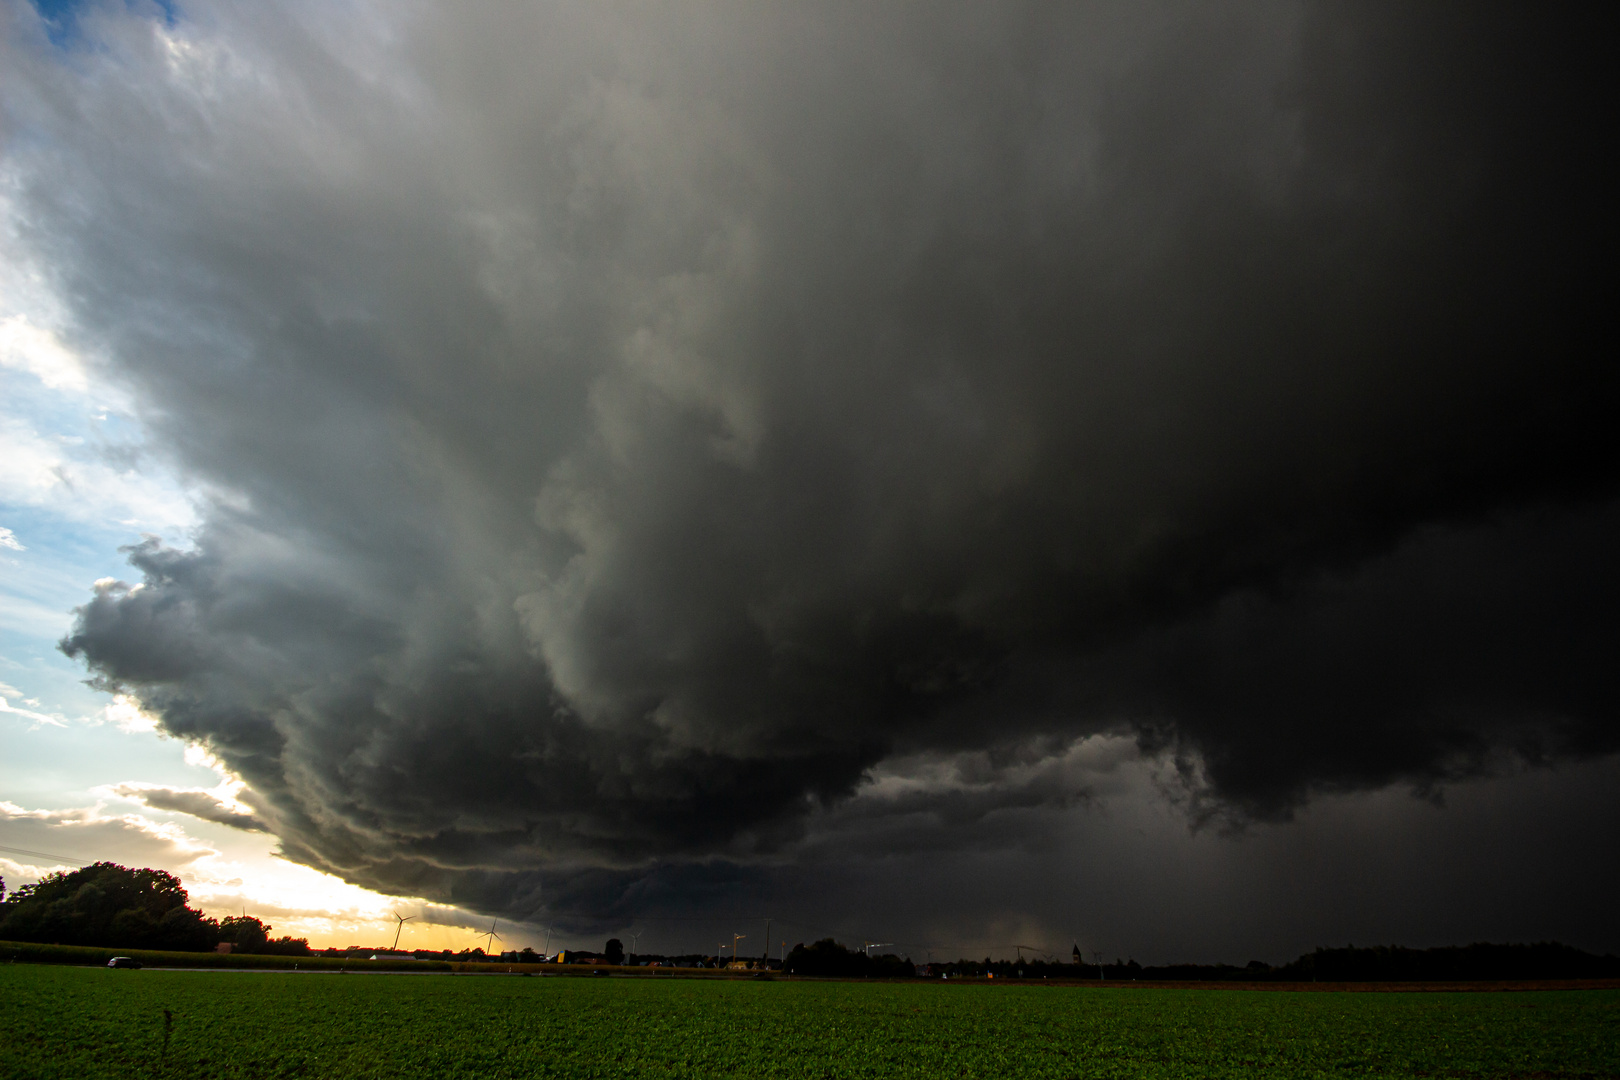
641,432
196,802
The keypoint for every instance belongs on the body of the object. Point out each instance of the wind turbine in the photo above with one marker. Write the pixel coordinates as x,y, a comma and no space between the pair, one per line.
492,936
400,927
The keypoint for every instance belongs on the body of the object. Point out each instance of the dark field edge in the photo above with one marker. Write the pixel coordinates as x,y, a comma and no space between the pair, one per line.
17,952
22,952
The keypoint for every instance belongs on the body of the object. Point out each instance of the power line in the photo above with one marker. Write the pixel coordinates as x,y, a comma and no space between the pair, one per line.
67,859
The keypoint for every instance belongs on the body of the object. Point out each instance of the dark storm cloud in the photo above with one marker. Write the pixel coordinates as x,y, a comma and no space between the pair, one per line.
630,432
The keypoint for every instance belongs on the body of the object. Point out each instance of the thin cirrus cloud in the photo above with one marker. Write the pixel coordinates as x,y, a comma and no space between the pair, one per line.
646,431
77,831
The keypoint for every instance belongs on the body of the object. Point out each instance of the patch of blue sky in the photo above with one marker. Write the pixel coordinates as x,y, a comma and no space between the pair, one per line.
76,485
39,587
46,767
61,17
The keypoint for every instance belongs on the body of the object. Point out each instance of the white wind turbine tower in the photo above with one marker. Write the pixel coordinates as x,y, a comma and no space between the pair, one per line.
399,928
491,936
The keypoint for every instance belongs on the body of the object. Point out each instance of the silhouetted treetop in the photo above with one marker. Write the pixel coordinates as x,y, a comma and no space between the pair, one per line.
107,904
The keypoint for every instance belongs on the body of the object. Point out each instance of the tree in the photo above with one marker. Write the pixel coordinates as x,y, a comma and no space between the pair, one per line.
249,935
245,932
108,904
288,946
613,951
827,958
888,966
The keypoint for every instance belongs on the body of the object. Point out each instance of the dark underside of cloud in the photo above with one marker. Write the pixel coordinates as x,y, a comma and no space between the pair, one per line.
624,432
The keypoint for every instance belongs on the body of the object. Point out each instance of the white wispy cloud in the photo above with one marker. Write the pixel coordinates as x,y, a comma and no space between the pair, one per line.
40,352
76,481
126,714
29,714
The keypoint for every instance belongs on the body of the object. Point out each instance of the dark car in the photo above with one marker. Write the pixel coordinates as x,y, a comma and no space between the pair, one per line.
123,962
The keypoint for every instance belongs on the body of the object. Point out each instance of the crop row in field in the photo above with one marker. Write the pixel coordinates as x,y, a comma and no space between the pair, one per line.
77,1022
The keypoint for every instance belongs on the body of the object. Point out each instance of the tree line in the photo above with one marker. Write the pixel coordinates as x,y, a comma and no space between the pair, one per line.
1382,963
108,905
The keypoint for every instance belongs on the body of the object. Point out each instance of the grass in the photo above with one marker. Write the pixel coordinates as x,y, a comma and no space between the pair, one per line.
87,1023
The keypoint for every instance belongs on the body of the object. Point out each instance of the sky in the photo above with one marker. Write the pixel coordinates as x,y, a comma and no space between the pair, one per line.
1127,475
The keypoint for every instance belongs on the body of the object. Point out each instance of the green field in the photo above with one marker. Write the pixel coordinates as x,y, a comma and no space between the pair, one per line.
81,1022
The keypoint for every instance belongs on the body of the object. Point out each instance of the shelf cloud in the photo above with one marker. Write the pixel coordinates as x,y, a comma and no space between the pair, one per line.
641,444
